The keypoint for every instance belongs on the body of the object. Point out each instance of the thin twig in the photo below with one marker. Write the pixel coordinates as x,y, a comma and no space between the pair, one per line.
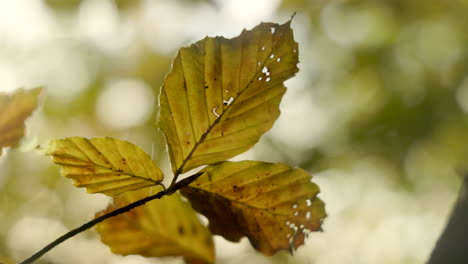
88,225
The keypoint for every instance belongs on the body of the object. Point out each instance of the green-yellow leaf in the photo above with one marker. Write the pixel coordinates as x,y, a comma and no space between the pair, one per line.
274,205
14,109
165,227
223,94
104,165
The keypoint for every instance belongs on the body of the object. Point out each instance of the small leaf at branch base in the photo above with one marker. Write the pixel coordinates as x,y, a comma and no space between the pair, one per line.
165,227
222,94
14,109
274,205
104,165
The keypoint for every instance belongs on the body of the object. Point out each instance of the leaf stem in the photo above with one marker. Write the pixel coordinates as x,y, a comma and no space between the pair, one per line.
173,188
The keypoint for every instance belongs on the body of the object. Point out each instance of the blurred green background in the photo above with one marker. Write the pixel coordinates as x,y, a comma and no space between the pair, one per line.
377,113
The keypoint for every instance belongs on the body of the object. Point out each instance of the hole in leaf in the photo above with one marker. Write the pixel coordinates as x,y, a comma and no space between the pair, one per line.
214,111
268,79
272,29
272,56
228,102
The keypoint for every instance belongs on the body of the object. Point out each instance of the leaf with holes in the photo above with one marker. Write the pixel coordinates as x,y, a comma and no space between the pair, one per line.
222,94
165,227
104,165
274,205
14,110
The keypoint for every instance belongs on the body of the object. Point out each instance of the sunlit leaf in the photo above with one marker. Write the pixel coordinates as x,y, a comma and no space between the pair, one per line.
104,165
223,94
14,109
166,227
274,205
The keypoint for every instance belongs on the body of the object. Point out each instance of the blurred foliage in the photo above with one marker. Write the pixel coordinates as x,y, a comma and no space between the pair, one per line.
404,65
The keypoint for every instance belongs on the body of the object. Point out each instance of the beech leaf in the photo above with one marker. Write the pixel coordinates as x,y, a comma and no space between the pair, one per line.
14,109
104,165
222,94
165,227
272,204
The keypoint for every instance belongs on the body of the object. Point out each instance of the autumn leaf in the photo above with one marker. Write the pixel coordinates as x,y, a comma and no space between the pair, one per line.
222,94
274,205
165,227
14,109
104,165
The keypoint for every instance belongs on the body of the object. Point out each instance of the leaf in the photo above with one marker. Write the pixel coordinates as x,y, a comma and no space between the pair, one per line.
165,227
14,110
223,94
104,165
274,205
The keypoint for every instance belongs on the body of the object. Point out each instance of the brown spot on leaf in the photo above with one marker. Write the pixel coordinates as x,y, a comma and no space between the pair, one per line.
181,230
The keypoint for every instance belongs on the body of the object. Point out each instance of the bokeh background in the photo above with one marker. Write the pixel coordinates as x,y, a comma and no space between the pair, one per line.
377,113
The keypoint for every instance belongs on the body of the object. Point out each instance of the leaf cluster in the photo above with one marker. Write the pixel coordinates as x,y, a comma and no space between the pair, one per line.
219,98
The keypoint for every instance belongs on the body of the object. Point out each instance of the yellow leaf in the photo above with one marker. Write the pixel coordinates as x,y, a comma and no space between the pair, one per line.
14,109
165,227
223,94
104,165
274,205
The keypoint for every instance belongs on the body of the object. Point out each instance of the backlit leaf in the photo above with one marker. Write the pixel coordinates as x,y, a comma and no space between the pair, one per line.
165,227
223,94
14,109
274,205
104,165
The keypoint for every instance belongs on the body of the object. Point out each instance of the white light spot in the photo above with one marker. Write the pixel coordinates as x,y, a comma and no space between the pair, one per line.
296,213
294,206
228,102
260,78
272,56
309,202
227,91
268,79
272,29
265,69
288,223
301,226
259,63
214,111
263,48
294,50
308,215
125,103
278,59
